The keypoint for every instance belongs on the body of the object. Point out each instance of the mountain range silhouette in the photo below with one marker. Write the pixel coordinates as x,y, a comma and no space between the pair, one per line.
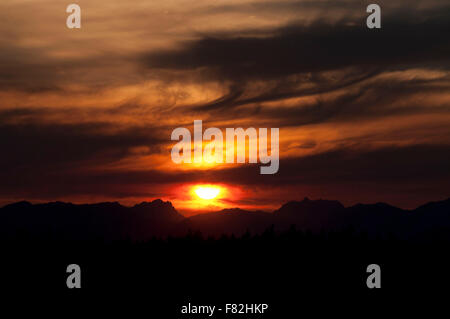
113,221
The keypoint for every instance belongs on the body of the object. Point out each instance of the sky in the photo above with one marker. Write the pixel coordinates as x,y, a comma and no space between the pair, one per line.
86,114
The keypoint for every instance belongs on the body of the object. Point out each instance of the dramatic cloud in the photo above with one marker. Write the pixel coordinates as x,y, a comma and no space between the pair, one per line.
297,56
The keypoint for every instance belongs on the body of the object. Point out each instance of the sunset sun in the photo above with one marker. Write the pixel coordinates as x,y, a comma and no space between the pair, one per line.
207,192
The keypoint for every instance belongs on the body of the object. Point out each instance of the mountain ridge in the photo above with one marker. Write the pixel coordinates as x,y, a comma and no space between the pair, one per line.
111,220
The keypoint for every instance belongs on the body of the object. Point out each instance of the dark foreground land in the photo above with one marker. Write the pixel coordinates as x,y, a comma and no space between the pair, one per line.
299,273
294,272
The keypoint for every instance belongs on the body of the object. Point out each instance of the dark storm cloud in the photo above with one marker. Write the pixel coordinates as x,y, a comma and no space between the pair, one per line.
321,6
49,145
60,182
49,184
383,165
407,39
404,39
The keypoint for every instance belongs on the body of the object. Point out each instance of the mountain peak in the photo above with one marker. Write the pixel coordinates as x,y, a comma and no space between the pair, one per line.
155,203
158,208
308,206
21,204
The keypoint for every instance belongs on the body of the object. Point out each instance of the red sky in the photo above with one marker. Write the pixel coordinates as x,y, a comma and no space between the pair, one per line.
86,115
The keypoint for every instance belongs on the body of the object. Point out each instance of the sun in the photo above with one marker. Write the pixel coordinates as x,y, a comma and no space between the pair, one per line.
207,192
